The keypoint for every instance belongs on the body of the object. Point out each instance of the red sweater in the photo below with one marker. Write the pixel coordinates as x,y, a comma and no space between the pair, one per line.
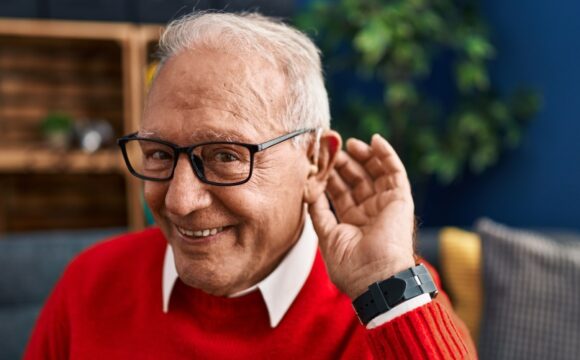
108,305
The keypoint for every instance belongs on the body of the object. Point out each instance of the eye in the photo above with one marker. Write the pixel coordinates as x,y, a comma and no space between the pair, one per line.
224,156
159,155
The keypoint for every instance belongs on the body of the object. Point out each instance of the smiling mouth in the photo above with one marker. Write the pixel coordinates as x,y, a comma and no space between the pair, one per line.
199,233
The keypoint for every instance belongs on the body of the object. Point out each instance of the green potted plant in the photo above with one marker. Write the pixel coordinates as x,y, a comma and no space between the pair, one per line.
57,129
394,46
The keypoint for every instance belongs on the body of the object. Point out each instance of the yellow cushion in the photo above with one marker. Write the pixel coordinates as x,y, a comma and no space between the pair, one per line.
460,254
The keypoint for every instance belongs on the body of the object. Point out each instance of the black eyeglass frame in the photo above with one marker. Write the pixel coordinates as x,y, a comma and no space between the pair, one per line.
188,150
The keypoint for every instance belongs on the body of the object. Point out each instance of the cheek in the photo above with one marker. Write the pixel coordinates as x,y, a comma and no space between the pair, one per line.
154,194
251,205
248,204
274,210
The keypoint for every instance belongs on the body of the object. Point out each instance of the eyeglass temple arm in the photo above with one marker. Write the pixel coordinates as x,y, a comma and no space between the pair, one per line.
267,144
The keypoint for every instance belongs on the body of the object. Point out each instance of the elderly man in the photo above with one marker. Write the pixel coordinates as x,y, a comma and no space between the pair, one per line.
248,260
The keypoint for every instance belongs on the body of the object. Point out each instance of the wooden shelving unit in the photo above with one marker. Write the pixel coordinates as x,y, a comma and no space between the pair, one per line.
39,159
84,69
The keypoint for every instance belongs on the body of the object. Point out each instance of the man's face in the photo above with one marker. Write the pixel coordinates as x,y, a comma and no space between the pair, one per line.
204,95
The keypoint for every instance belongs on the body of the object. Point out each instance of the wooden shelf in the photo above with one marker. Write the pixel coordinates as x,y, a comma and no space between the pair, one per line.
86,69
39,159
76,29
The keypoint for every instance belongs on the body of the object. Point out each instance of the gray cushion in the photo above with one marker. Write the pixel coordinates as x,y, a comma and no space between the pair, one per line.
30,265
16,325
532,294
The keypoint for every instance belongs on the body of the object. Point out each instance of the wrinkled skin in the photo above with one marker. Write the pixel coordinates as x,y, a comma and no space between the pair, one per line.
205,95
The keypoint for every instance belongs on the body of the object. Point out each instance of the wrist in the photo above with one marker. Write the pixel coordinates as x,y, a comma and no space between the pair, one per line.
374,272
383,296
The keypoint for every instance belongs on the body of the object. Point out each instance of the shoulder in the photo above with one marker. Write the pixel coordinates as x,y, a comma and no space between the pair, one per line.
104,282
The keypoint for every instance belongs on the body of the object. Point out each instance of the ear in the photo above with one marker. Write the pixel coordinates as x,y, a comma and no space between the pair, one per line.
322,157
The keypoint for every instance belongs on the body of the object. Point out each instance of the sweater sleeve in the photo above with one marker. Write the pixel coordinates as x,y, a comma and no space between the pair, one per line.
50,337
432,331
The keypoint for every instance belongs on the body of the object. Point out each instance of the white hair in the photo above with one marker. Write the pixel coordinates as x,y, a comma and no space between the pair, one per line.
306,101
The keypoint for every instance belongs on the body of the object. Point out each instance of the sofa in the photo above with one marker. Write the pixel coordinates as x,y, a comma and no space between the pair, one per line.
478,284
30,265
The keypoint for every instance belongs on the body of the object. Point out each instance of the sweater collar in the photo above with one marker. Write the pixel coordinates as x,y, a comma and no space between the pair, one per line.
279,289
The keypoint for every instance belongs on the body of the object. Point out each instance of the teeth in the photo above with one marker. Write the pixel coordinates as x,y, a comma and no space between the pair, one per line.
200,233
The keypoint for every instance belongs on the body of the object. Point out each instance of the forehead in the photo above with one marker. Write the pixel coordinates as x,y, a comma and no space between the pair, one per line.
211,91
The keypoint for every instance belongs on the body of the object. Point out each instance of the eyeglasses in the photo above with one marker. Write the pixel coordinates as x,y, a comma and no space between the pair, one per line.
216,163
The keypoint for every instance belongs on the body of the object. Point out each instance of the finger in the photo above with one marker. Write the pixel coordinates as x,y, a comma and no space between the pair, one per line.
355,176
363,153
392,181
340,193
323,218
374,167
336,185
359,150
387,155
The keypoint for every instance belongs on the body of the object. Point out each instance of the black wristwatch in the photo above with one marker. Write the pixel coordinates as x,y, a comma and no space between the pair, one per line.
384,295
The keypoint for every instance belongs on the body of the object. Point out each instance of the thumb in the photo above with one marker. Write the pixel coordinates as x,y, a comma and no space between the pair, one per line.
323,218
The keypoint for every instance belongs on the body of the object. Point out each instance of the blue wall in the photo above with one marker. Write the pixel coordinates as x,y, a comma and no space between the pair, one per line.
538,184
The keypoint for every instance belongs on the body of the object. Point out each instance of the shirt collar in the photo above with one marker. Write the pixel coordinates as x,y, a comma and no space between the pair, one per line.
279,289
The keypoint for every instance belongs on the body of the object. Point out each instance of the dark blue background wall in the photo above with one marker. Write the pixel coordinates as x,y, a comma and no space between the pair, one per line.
538,184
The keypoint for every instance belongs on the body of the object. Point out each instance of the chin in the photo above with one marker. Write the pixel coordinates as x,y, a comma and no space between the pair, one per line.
209,281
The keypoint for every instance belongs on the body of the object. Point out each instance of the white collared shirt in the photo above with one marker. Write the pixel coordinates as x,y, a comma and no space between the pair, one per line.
281,287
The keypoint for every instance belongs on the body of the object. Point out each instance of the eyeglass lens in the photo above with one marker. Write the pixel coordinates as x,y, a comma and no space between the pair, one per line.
222,163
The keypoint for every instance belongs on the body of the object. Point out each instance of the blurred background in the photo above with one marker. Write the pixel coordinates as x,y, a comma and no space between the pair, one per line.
480,98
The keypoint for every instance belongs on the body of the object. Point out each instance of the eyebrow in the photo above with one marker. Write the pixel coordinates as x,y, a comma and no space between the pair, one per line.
203,136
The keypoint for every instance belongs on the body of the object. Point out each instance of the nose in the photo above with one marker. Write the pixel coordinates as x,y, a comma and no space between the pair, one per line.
186,193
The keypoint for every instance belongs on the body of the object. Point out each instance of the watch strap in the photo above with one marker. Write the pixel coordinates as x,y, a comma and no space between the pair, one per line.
384,295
